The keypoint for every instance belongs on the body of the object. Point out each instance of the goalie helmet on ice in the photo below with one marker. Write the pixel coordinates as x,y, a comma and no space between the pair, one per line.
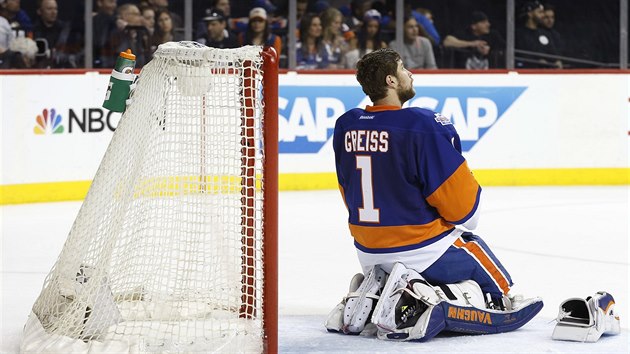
585,320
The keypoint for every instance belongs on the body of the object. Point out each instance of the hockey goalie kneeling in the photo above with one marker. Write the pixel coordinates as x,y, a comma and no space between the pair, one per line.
411,309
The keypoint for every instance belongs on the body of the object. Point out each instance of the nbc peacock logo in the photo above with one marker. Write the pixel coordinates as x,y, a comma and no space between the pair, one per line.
48,122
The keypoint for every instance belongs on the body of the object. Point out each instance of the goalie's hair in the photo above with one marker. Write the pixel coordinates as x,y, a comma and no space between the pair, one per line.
372,70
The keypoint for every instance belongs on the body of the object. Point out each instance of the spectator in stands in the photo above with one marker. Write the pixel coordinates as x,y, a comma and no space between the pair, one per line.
550,22
10,59
357,11
258,32
534,37
161,5
268,5
18,18
367,39
148,18
311,51
62,48
301,8
217,35
130,34
320,6
424,17
278,23
27,48
476,47
334,42
104,24
428,14
416,52
225,7
6,33
164,30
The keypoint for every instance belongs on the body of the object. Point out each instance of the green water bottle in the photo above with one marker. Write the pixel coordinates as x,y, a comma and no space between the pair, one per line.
120,82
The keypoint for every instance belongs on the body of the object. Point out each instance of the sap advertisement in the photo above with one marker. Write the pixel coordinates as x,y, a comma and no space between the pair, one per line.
307,117
505,121
54,129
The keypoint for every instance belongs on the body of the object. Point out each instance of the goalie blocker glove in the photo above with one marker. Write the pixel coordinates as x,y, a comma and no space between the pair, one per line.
411,309
585,320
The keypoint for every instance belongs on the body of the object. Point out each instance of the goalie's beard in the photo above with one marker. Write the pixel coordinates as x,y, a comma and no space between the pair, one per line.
405,95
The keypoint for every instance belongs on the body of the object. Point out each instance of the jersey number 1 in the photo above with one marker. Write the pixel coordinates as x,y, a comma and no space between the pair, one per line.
368,213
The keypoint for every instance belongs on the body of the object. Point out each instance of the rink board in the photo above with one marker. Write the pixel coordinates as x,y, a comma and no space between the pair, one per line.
516,129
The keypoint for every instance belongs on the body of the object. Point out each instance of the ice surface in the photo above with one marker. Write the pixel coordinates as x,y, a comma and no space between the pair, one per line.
305,334
557,242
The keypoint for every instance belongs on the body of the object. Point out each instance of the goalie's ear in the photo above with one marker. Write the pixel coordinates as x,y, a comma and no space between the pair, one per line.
391,80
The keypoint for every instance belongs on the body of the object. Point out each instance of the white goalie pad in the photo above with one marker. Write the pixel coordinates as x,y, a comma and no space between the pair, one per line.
411,309
406,306
352,314
586,320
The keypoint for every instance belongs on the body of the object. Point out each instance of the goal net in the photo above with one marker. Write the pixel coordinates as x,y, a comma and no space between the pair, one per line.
173,249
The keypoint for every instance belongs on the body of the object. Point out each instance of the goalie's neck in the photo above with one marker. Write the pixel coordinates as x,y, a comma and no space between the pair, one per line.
390,100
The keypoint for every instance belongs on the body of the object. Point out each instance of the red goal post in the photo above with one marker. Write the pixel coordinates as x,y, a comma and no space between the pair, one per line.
270,207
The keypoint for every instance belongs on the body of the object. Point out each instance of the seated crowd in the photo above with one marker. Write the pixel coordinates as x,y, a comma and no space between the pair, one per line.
328,37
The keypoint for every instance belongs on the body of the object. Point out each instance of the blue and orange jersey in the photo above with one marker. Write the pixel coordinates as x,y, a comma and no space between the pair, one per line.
402,176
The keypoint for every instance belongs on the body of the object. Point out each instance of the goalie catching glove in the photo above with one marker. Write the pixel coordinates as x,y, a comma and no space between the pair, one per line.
411,309
585,320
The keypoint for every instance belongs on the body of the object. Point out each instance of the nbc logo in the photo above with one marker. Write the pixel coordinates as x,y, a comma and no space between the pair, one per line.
46,120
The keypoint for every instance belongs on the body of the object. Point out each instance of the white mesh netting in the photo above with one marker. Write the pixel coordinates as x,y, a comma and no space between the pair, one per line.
165,254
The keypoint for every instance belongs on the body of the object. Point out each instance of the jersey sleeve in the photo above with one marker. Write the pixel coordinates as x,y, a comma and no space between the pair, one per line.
447,183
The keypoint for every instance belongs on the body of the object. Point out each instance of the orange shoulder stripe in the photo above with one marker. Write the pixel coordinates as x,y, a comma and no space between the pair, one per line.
456,197
397,236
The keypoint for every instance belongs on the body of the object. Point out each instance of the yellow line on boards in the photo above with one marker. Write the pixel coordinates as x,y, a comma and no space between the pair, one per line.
43,192
76,190
553,177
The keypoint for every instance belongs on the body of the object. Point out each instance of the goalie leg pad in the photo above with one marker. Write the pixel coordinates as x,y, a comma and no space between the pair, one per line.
411,309
483,321
586,320
466,311
352,315
334,322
